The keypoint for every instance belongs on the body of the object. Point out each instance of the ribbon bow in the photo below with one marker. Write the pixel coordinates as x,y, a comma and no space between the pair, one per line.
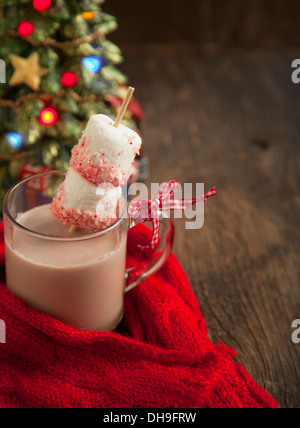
150,210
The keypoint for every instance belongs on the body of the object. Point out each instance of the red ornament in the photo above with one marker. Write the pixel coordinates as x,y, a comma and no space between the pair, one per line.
25,29
134,107
28,170
48,116
41,5
69,79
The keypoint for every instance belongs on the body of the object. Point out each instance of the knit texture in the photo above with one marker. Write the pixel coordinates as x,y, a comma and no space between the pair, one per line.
164,359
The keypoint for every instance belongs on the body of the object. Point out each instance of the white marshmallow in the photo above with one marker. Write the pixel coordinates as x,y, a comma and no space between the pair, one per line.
113,142
82,195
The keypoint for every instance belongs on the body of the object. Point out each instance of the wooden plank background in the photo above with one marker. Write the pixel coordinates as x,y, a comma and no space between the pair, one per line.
227,22
230,117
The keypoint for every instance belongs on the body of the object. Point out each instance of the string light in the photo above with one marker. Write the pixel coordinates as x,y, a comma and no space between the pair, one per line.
41,5
25,29
69,79
48,116
92,63
15,139
88,15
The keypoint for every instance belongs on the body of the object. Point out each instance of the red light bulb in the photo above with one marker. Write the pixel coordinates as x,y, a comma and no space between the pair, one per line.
48,116
41,5
25,29
69,79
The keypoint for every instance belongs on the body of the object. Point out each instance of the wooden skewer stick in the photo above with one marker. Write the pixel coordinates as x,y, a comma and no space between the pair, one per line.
124,106
118,121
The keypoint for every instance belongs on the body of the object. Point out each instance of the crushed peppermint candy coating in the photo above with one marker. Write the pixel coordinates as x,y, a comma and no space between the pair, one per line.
82,163
108,209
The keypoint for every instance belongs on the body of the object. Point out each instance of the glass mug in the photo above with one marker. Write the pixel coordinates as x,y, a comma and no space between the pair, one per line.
78,278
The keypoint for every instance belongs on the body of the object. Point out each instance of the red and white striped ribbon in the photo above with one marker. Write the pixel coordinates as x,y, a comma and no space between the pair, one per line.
149,210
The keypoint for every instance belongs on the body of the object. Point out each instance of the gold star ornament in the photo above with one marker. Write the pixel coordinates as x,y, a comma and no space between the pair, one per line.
27,71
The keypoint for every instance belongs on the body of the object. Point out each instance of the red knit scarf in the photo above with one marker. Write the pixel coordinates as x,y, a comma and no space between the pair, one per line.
164,360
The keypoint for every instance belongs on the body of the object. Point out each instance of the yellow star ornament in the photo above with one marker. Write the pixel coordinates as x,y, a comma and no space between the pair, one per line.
27,71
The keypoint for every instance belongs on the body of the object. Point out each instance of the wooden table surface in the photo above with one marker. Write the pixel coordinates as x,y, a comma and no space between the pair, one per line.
232,120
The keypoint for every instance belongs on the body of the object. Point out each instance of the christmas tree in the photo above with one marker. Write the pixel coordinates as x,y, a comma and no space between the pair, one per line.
60,69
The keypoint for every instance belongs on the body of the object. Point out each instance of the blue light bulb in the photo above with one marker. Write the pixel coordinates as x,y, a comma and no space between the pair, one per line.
92,63
15,139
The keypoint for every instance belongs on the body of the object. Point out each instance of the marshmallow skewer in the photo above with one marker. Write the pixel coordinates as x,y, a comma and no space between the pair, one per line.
117,123
124,106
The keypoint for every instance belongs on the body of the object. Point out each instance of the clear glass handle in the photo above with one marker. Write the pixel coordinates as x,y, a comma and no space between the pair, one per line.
137,274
